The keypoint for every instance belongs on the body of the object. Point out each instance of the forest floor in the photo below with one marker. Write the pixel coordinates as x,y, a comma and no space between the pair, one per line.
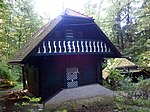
13,101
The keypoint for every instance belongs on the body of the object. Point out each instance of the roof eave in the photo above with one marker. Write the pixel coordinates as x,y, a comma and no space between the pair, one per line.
42,33
77,17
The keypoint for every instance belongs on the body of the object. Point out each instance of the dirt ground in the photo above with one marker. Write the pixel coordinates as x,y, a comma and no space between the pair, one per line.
12,100
95,108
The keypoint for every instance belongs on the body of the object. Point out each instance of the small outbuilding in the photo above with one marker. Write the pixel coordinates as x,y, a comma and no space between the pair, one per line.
65,53
127,68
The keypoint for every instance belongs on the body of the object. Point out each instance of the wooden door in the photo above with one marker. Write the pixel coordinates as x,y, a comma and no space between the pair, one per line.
72,77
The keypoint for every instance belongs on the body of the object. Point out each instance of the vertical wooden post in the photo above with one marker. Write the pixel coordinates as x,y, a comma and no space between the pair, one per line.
24,81
99,72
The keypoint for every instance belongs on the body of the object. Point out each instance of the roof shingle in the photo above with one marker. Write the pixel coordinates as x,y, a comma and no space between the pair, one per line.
40,35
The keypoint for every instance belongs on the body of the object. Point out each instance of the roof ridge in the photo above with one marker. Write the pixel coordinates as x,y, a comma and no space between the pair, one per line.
71,12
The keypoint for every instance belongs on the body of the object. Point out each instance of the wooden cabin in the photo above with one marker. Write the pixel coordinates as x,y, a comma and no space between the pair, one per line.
67,52
126,68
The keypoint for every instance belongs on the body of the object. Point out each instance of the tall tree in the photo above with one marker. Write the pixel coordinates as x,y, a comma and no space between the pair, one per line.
140,31
19,22
126,23
131,30
4,28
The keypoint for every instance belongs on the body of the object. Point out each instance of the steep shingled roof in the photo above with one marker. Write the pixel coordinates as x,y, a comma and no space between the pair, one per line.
70,12
41,33
39,36
35,40
122,62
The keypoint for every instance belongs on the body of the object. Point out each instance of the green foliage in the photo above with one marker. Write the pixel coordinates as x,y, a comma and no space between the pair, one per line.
134,96
144,59
141,102
134,37
33,99
18,21
5,72
126,23
137,109
30,105
136,105
127,85
31,102
30,110
61,110
90,8
114,79
9,76
9,73
144,87
144,84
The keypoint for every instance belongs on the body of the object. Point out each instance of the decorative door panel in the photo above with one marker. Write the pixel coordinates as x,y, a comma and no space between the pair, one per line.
72,77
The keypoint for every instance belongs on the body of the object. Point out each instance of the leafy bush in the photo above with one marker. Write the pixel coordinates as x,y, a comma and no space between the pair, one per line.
5,72
133,96
127,85
114,79
8,75
144,87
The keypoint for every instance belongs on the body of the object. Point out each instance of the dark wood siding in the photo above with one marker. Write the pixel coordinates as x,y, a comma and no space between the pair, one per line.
51,76
53,72
31,74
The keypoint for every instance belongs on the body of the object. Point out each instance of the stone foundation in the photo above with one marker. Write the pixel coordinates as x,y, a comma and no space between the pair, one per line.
81,97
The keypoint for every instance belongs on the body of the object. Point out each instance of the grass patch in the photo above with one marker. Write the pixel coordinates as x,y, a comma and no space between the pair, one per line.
142,102
123,103
19,85
2,93
136,109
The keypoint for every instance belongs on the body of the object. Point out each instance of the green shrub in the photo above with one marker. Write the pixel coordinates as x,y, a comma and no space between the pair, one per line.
114,79
144,85
142,102
127,85
5,72
9,75
127,100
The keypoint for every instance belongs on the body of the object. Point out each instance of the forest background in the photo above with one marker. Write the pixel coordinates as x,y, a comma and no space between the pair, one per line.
126,23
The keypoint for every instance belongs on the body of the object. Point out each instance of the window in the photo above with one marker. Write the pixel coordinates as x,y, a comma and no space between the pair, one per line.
69,34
